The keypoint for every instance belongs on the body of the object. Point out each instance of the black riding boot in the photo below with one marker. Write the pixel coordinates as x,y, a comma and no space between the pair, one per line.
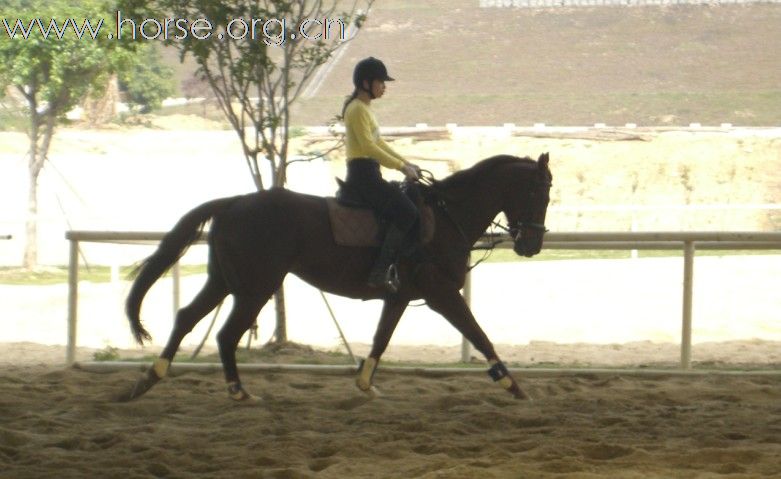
384,273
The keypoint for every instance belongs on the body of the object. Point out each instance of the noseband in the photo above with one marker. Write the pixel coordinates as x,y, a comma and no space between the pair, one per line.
515,230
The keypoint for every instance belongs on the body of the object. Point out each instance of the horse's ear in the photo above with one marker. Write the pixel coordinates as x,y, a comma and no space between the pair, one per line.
543,160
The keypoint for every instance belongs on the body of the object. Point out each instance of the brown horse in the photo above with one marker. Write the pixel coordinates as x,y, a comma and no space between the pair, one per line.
257,239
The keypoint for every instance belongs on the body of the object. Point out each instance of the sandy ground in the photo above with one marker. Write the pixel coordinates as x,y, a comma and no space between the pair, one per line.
66,423
581,425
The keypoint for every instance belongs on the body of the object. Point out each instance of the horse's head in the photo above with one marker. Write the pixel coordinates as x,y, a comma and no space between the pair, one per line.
526,207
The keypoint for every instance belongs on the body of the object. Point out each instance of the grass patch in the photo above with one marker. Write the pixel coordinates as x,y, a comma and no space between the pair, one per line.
59,274
108,353
506,255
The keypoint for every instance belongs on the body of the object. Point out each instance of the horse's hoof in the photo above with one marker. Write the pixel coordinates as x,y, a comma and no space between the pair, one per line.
142,385
370,391
246,398
239,394
520,394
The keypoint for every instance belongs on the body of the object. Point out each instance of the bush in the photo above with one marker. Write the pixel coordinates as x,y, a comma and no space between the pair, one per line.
109,353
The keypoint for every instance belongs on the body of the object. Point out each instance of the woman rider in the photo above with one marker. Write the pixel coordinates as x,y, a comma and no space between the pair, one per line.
366,151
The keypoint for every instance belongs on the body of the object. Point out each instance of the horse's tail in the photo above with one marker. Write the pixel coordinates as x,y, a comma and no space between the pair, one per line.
171,248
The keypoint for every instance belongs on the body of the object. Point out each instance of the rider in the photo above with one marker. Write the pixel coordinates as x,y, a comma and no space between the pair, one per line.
366,151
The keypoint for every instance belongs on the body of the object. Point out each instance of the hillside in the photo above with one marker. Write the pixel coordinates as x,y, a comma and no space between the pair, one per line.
458,63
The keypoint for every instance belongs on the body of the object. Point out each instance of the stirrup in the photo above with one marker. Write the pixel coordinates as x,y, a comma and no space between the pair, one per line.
390,280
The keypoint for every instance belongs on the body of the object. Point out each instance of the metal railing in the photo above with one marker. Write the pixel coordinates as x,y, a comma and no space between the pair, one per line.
688,242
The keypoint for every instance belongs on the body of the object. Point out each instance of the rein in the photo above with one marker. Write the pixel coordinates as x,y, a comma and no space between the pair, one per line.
489,249
427,179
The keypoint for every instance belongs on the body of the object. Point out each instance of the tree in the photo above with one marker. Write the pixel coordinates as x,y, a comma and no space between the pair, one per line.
53,56
146,79
256,56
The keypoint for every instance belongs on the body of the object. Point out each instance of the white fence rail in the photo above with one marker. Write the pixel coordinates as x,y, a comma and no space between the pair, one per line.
688,242
612,3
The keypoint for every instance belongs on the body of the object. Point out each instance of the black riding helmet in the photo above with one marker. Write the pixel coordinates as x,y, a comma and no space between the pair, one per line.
369,69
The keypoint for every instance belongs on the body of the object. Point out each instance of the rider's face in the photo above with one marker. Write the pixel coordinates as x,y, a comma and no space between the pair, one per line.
378,88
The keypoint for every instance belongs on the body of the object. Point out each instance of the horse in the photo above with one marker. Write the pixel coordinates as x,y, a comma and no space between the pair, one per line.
255,240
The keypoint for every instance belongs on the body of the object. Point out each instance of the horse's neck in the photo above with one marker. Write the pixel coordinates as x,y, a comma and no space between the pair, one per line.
476,209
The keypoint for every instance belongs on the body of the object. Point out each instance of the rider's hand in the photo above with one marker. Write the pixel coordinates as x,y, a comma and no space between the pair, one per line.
411,172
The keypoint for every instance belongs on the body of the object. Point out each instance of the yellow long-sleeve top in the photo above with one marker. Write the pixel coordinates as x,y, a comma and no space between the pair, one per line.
362,137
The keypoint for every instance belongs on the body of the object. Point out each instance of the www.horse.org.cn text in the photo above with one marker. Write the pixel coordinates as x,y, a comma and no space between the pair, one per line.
271,31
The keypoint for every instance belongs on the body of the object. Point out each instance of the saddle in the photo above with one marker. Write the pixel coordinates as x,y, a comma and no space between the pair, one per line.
355,223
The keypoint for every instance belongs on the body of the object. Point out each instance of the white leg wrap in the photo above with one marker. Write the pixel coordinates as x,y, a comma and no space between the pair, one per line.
364,379
160,367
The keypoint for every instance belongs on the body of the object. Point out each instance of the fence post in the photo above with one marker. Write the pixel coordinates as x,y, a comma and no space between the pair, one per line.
73,298
176,276
466,347
688,287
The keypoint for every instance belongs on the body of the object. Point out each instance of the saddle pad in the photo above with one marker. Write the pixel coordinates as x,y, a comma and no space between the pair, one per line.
358,226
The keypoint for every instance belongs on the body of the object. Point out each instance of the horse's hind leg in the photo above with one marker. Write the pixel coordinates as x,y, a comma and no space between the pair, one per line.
245,310
212,293
186,318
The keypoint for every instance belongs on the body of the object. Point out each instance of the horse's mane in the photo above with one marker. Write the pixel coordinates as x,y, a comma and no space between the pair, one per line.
469,175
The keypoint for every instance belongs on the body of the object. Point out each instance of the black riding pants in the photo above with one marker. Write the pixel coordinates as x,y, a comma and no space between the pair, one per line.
364,178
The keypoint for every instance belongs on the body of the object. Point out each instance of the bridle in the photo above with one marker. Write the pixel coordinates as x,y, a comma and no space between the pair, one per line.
513,230
517,229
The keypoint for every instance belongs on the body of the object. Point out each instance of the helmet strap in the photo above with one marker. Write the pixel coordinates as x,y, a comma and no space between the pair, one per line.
368,90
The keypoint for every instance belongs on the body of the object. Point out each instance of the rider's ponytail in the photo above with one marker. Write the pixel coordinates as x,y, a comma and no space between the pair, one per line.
350,98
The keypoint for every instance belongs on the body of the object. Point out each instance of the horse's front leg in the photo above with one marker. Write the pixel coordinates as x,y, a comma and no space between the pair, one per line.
443,296
392,310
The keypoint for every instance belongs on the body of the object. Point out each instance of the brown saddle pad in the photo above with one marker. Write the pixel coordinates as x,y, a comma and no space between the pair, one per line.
358,226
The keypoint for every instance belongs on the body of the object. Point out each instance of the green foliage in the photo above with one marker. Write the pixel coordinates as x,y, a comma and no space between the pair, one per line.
109,353
58,72
146,80
297,131
59,274
55,73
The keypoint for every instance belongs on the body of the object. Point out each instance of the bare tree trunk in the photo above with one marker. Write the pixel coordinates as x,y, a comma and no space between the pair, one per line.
279,304
30,260
279,297
37,157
